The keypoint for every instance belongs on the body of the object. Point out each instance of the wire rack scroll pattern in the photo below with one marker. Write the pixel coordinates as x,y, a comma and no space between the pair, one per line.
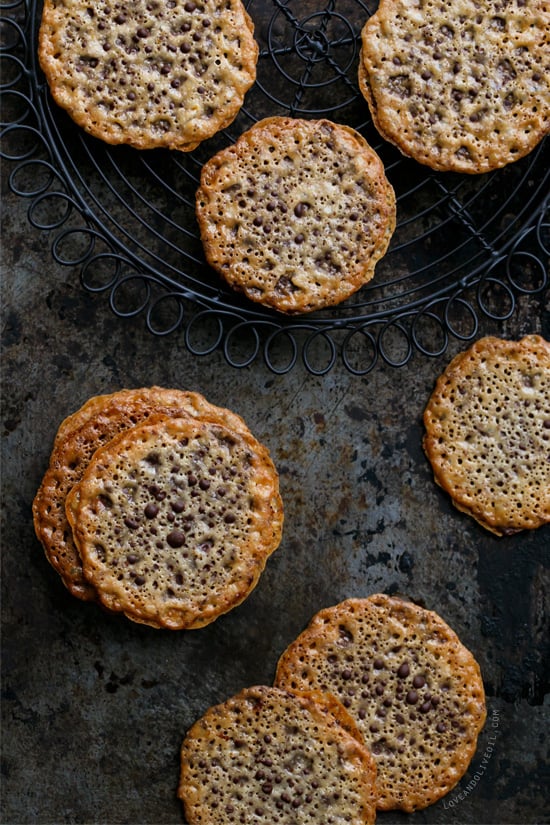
464,246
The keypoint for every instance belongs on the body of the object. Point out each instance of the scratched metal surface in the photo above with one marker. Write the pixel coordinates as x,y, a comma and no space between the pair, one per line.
95,707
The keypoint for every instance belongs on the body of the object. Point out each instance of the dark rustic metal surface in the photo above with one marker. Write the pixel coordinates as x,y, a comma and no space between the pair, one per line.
95,707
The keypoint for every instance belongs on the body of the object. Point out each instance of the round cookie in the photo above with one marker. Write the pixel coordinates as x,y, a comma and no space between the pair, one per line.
79,435
487,433
459,86
413,689
150,75
274,756
174,520
296,213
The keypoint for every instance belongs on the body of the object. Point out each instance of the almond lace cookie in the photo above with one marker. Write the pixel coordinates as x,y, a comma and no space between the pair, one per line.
296,213
274,756
174,520
149,74
99,420
487,433
414,691
459,85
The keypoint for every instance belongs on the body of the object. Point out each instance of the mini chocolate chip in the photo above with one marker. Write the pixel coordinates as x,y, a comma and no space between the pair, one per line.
176,538
419,681
151,510
120,18
299,238
403,671
204,484
378,664
435,701
189,6
139,580
346,674
300,209
379,690
441,727
229,518
142,32
412,697
131,558
131,523
425,707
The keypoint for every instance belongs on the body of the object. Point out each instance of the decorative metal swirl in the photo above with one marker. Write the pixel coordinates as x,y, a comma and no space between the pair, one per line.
464,247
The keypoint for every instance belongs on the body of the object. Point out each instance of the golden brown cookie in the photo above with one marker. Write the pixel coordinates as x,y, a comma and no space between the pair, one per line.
487,433
274,756
151,74
79,435
413,689
174,520
459,86
296,213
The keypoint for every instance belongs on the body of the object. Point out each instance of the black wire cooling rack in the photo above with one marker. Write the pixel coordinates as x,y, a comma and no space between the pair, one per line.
464,246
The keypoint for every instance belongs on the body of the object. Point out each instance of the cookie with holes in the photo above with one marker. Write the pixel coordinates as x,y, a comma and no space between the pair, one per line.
459,86
296,214
174,520
153,75
274,756
94,424
487,433
413,689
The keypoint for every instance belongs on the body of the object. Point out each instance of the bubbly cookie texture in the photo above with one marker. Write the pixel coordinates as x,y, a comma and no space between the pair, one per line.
273,756
414,691
296,213
149,74
79,435
459,86
487,433
174,520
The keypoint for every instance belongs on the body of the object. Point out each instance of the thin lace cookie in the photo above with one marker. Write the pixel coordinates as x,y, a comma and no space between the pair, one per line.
273,756
296,214
413,689
487,433
150,75
459,86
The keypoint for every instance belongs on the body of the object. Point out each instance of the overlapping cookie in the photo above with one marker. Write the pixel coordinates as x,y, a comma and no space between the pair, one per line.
487,433
149,74
255,498
296,214
174,520
460,86
275,756
78,437
414,691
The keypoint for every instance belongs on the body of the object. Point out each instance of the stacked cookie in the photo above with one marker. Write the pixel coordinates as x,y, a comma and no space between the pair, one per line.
380,676
159,505
487,433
